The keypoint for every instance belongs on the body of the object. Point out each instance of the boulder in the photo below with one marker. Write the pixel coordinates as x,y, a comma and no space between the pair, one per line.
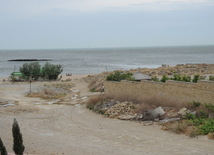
156,112
184,111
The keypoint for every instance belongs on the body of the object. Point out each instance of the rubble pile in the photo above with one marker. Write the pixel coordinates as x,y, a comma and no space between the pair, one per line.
120,110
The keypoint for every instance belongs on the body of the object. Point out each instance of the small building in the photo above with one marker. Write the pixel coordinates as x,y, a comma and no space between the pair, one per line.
140,76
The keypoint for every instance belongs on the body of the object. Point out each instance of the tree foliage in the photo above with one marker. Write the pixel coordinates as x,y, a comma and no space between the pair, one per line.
3,150
18,146
30,70
34,70
51,71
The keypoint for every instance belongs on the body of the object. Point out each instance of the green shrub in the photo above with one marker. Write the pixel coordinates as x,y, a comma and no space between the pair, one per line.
207,126
196,104
164,78
202,114
204,125
118,76
178,77
211,78
51,71
30,70
186,78
189,116
209,107
155,79
195,79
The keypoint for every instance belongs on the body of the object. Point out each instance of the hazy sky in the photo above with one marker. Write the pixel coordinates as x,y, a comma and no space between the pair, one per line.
36,24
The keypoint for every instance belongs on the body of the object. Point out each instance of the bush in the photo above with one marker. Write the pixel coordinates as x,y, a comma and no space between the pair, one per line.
118,76
30,70
207,126
164,78
177,77
195,79
211,78
155,79
51,71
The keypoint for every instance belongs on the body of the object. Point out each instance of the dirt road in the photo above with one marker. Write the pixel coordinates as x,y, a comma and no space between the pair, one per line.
74,130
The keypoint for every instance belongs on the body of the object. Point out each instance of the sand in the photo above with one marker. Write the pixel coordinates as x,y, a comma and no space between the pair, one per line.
71,129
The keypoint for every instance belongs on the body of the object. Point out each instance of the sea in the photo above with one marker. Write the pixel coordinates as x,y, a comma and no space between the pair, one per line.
97,60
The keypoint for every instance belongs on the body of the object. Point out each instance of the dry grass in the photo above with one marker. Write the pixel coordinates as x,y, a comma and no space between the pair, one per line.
145,103
22,109
47,94
182,127
96,101
211,135
65,85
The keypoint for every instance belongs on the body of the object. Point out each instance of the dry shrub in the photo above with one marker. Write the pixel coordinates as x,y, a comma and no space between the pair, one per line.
182,127
128,97
141,108
152,101
177,126
97,100
149,102
65,86
92,83
47,94
192,131
22,109
211,135
163,101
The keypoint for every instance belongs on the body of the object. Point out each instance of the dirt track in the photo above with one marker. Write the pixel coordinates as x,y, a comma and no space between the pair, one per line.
74,130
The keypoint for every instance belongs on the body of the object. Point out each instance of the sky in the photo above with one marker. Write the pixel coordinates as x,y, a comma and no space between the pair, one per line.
56,24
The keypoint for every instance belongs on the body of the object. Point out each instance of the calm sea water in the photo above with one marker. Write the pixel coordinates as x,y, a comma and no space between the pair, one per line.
81,61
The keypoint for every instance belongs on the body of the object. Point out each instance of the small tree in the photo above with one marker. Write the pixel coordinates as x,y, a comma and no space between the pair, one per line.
30,70
2,148
51,71
18,146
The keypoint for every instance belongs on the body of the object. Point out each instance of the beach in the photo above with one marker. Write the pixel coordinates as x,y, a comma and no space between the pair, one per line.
69,128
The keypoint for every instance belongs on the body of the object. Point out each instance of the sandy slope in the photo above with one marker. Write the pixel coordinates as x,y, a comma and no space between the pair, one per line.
74,130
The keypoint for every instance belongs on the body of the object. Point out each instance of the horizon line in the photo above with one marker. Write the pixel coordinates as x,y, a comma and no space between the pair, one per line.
66,48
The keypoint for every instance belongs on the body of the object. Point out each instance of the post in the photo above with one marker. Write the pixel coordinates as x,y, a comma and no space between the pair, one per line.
30,80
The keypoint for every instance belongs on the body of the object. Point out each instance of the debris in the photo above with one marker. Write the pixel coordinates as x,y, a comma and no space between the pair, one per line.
166,120
9,104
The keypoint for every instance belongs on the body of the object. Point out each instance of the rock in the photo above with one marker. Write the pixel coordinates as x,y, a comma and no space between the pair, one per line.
147,123
184,111
125,117
156,112
166,120
9,104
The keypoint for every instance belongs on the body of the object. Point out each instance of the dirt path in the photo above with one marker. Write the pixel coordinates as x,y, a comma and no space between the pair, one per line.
73,129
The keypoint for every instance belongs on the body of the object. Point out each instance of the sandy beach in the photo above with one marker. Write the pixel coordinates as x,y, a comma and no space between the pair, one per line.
69,128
